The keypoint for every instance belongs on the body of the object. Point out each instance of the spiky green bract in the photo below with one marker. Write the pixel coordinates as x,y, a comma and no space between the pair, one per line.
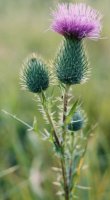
34,75
76,122
71,63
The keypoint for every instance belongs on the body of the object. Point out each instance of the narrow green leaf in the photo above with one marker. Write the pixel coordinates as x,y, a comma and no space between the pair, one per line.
30,128
35,125
43,98
71,112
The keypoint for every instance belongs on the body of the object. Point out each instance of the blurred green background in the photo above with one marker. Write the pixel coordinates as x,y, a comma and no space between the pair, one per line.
25,161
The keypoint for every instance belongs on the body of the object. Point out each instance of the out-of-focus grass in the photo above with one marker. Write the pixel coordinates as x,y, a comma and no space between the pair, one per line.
24,29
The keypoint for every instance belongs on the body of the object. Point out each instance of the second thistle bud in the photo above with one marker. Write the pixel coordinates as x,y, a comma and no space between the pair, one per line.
34,75
76,122
71,62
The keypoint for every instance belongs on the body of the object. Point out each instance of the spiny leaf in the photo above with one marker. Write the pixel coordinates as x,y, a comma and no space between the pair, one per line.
46,135
60,193
83,187
56,169
56,183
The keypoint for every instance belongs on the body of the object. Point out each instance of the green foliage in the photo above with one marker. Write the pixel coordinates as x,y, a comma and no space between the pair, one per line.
34,75
22,25
71,62
71,112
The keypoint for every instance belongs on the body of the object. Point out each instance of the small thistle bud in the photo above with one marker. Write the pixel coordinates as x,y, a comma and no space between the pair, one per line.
77,122
71,63
34,75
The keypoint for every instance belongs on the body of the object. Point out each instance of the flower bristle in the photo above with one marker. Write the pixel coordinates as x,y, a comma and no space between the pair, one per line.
76,20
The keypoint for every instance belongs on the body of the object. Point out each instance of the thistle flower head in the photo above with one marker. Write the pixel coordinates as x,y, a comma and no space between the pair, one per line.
34,75
76,20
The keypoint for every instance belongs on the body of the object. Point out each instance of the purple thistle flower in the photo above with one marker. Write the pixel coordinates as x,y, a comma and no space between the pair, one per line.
77,20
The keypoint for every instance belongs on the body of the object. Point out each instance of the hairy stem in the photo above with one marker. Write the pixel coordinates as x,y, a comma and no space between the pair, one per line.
65,102
65,105
63,161
49,119
70,170
65,179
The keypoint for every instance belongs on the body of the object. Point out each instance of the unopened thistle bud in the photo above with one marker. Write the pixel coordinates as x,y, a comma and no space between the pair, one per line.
76,122
34,75
74,22
71,63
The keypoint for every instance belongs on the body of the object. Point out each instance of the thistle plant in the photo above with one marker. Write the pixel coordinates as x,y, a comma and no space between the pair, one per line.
65,117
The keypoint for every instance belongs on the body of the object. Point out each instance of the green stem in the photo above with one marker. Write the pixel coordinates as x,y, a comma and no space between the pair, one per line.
63,161
65,104
70,170
64,179
72,150
49,118
73,181
58,143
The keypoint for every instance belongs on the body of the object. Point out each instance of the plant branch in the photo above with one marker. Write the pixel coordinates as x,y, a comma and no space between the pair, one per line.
65,104
65,179
49,118
63,163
